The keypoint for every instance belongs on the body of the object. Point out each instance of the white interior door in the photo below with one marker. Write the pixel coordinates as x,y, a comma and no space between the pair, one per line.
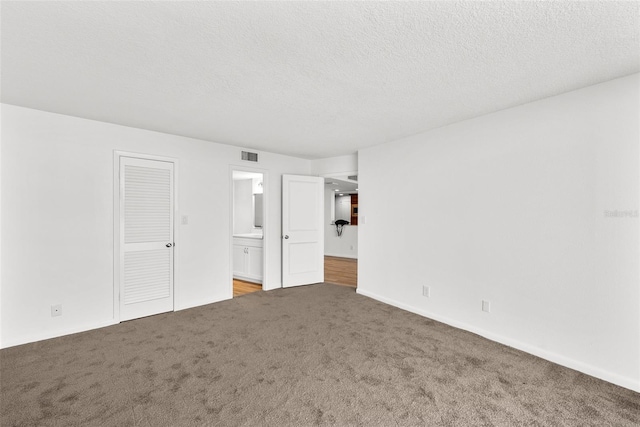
302,230
146,237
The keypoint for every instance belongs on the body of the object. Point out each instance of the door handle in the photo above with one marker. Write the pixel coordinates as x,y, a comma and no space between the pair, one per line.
169,245
286,236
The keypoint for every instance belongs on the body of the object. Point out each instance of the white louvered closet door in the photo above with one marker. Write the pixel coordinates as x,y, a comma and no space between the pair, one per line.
146,236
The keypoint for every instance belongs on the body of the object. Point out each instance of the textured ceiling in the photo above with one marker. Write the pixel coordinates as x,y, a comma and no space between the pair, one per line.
311,79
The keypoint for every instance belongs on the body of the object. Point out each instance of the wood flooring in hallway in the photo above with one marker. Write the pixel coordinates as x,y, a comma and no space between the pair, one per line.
339,271
240,287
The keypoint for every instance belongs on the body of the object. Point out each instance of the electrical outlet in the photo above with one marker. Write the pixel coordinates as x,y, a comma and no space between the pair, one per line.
486,306
56,310
185,219
426,291
351,247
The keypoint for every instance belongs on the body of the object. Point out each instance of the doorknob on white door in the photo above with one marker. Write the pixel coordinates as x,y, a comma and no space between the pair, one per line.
286,236
169,245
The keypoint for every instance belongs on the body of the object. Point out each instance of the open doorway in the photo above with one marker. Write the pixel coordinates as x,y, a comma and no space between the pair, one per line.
341,228
248,231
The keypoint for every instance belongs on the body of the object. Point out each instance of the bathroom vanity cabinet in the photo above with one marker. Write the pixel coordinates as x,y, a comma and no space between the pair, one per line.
247,258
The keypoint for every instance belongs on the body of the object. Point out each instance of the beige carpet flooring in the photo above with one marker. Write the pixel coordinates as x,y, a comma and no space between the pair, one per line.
314,355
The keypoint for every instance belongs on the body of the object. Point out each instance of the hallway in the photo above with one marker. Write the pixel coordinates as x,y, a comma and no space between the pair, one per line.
341,271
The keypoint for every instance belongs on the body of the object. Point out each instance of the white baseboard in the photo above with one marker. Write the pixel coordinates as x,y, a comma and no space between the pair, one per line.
278,286
54,334
248,279
342,255
593,371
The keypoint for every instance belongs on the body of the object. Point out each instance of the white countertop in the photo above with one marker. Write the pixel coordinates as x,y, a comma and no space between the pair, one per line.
249,235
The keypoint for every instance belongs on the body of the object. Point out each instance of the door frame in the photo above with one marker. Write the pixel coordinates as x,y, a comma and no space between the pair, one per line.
265,225
332,210
117,154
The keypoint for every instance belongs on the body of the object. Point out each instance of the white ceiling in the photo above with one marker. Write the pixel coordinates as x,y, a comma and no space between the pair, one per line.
310,79
341,185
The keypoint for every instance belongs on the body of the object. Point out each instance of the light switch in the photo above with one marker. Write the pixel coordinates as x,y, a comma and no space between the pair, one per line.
185,219
486,306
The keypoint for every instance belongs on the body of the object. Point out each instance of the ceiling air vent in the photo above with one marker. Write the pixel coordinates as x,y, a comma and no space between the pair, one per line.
250,157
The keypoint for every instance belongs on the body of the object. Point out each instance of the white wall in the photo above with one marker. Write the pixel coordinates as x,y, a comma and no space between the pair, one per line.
243,212
513,207
335,165
57,218
343,207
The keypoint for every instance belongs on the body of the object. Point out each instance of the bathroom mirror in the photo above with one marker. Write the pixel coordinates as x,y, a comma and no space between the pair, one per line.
248,205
